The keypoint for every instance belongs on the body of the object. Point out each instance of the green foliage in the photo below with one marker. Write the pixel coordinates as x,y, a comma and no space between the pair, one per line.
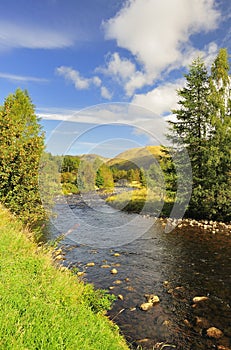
70,164
99,300
203,127
142,178
86,176
44,307
104,177
22,144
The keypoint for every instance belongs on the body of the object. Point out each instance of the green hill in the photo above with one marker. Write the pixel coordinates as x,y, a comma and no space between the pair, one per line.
140,157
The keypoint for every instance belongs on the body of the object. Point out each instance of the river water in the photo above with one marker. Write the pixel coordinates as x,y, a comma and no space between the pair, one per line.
175,266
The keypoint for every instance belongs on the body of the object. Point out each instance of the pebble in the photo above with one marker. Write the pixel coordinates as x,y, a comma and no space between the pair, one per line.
214,332
60,257
105,266
120,296
151,298
90,264
80,273
199,299
114,271
146,306
116,254
117,282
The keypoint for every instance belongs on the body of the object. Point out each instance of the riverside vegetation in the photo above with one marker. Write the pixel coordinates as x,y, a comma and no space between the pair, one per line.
45,307
41,306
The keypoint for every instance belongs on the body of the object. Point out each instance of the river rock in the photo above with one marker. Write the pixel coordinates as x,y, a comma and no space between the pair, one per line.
80,273
114,271
116,254
214,332
120,296
60,257
199,299
117,282
105,266
151,298
90,264
146,306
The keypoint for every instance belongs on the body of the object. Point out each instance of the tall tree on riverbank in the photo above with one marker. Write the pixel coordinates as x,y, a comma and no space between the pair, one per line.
219,189
22,144
203,128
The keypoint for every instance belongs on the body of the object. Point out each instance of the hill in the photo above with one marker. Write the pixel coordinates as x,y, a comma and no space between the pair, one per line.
140,157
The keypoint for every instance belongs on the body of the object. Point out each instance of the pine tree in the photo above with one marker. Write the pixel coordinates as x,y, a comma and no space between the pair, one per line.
22,144
203,128
191,130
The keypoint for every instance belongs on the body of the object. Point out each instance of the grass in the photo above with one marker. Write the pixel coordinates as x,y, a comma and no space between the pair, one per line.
42,306
141,201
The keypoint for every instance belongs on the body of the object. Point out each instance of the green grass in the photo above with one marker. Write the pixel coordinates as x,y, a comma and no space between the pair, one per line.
43,307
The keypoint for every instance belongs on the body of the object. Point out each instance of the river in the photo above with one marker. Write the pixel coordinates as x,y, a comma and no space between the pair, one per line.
175,266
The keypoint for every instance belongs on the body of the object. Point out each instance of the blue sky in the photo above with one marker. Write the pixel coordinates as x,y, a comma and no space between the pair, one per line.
103,74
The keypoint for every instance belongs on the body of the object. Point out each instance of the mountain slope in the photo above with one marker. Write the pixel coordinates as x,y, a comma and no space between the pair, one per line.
140,157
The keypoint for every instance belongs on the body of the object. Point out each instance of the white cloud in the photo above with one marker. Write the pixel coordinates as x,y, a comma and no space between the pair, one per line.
161,99
120,68
105,93
74,76
20,36
20,78
158,35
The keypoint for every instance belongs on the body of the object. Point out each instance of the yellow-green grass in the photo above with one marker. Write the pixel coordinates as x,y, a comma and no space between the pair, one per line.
136,157
143,201
41,306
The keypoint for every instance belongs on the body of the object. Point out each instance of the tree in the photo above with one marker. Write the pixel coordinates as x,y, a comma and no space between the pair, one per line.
86,176
22,144
190,131
104,178
220,138
203,128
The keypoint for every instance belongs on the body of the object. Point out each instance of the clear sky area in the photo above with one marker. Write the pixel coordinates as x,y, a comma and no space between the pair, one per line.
103,74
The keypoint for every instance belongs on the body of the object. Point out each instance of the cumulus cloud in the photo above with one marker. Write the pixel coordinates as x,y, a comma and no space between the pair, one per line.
74,76
154,31
158,35
14,35
161,99
120,68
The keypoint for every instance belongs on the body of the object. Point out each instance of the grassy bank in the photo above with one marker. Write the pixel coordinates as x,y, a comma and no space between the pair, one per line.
42,307
140,201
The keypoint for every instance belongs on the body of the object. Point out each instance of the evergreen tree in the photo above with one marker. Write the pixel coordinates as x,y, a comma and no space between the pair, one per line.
191,130
203,128
104,177
22,144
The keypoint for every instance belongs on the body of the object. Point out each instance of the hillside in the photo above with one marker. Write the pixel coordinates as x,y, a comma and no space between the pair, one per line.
140,157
